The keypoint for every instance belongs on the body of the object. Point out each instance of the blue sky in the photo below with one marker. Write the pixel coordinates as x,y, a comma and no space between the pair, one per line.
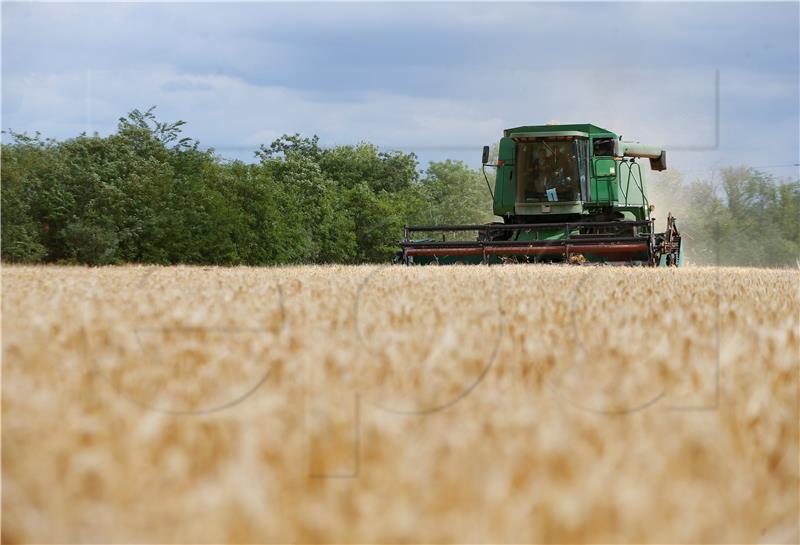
438,79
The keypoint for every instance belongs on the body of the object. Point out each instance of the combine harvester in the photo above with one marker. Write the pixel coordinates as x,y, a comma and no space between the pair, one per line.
567,194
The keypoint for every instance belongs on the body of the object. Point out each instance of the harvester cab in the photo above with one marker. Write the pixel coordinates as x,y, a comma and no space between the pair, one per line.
566,194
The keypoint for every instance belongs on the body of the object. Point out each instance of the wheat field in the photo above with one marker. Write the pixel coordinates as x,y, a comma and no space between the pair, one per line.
521,404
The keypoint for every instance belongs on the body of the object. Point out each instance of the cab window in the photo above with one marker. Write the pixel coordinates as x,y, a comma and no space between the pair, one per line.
603,147
549,170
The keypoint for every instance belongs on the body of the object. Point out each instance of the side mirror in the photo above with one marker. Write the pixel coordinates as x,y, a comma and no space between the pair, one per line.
485,158
617,148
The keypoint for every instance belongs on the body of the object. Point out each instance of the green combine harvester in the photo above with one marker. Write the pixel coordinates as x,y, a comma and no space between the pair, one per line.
567,194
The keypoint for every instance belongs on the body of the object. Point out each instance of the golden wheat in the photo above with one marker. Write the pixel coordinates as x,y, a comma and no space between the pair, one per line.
357,404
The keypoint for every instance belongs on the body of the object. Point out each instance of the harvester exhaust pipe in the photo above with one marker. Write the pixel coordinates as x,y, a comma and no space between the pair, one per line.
657,155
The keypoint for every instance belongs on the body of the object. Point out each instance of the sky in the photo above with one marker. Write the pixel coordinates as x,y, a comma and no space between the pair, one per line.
715,83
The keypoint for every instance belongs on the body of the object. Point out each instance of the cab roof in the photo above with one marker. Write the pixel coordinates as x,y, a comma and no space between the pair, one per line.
592,130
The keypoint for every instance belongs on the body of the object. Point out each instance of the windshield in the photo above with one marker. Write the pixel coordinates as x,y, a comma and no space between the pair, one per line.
550,170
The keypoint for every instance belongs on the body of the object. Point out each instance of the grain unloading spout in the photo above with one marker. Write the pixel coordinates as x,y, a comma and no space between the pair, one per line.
657,155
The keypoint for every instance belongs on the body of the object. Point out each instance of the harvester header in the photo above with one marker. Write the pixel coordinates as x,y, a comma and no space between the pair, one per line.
566,194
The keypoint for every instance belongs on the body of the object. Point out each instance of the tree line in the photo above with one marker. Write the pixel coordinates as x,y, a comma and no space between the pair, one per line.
739,216
149,194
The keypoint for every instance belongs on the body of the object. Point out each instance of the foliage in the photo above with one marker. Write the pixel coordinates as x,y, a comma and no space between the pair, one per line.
746,217
148,194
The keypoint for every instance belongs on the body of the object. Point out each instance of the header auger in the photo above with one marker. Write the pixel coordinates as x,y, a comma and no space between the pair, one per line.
566,194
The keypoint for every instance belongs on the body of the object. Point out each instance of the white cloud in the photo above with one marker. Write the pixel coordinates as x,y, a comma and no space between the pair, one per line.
448,76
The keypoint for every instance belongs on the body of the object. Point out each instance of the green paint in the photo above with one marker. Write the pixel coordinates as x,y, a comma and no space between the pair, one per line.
564,174
602,183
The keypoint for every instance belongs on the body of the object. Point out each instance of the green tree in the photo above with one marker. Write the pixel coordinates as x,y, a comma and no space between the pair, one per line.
453,194
148,194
